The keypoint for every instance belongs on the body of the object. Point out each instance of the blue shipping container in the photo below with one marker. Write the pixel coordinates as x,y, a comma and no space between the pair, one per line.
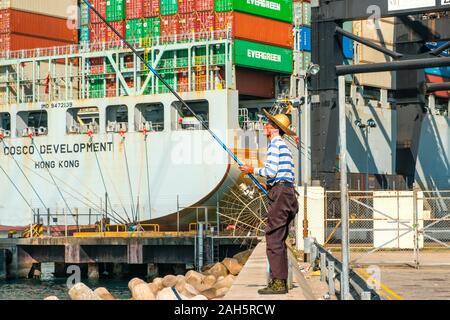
434,45
442,72
84,34
303,39
347,47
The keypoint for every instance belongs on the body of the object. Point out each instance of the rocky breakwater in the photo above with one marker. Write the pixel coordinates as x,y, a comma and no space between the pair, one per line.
212,283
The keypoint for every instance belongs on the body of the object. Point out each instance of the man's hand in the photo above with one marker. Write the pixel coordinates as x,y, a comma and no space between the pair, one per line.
246,169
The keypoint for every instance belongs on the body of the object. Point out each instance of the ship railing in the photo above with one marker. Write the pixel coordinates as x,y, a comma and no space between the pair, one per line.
76,49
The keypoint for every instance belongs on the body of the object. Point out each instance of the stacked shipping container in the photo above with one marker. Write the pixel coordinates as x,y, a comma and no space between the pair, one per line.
263,34
40,30
302,32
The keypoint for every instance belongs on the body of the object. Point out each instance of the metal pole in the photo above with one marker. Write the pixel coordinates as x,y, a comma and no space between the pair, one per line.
48,221
416,228
217,215
178,214
345,286
306,178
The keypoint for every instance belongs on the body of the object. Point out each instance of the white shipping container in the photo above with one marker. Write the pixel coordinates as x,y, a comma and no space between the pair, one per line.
55,8
302,13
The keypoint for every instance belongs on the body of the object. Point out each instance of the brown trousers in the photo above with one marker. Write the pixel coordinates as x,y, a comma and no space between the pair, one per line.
283,206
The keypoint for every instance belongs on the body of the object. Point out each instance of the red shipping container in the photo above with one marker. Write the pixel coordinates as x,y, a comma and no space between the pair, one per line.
186,6
97,65
183,81
437,79
263,30
204,24
255,83
32,24
5,21
151,8
169,28
100,6
186,26
13,42
98,32
119,26
111,86
134,9
204,5
223,21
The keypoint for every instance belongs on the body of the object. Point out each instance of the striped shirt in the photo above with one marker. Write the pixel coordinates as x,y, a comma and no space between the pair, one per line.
279,165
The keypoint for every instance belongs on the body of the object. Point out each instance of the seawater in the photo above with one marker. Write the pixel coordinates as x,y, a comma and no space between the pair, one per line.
32,289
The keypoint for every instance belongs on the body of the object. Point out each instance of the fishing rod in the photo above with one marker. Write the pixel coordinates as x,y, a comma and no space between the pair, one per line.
202,122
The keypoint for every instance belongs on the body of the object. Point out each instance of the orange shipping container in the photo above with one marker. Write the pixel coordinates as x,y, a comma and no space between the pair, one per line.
38,25
258,29
12,42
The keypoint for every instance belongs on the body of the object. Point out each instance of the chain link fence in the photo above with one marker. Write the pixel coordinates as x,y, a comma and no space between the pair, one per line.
391,227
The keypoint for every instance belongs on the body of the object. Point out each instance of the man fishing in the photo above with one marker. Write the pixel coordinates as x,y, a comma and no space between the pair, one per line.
283,204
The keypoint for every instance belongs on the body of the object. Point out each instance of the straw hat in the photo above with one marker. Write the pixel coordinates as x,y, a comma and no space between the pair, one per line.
281,121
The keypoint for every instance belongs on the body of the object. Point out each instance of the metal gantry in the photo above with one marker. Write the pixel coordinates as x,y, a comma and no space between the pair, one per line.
64,73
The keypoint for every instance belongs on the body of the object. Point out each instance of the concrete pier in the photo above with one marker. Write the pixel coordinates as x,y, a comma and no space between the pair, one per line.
152,271
121,251
93,273
3,257
253,277
48,270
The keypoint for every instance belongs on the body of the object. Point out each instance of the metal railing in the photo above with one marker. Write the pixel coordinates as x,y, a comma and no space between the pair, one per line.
331,270
117,45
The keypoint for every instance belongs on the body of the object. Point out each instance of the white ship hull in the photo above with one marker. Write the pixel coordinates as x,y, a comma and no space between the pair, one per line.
184,167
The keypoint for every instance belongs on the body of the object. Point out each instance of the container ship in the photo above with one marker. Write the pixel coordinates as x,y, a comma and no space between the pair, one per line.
87,129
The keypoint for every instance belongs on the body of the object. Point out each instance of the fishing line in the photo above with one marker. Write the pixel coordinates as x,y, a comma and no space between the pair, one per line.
201,121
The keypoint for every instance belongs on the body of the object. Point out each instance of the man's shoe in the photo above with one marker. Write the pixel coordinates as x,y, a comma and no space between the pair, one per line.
275,286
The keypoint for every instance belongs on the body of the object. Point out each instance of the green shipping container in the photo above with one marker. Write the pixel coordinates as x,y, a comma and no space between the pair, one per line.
115,10
151,27
306,14
97,86
168,7
134,30
84,14
261,56
223,5
273,9
170,79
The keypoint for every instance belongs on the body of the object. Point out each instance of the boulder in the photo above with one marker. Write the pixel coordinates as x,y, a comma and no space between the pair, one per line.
222,292
133,282
210,293
207,267
209,280
232,265
154,288
180,277
158,282
194,278
52,298
80,291
142,291
168,294
243,256
226,282
169,281
218,270
220,278
104,294
199,297
187,290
